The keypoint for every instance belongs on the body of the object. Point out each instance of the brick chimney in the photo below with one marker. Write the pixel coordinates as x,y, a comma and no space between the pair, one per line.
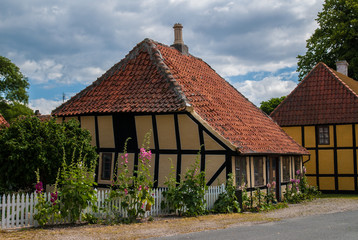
178,40
342,67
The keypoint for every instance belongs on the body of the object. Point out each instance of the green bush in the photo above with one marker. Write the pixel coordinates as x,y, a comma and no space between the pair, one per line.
227,201
187,197
29,144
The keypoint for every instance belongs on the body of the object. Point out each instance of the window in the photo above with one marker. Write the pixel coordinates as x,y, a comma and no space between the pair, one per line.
286,169
240,171
259,171
323,135
106,166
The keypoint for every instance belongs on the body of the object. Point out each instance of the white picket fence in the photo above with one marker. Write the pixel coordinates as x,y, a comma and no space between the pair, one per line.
18,210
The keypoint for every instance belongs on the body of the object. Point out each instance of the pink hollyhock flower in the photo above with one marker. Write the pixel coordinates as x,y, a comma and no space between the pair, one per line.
273,183
304,169
143,205
298,181
293,180
140,188
126,191
298,172
146,188
39,187
268,185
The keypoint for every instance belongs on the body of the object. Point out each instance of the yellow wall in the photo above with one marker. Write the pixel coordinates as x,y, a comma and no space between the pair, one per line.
294,132
310,136
211,144
87,122
143,126
345,161
344,135
166,131
189,133
105,132
311,164
69,118
187,161
346,183
165,161
312,181
212,165
326,162
59,120
326,183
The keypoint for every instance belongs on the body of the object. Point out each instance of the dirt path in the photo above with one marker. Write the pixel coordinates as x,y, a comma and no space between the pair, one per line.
173,226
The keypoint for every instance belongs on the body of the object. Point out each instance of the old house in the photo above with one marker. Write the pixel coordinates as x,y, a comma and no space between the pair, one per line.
188,107
3,122
321,114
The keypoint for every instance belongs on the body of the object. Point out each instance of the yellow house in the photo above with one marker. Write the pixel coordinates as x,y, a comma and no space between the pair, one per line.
322,115
188,107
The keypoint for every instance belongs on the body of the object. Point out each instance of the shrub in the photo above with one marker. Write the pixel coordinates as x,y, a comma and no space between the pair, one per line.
29,144
227,201
187,197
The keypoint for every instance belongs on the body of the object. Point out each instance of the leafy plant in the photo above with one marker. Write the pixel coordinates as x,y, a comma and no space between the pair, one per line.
29,144
133,191
187,197
77,187
227,201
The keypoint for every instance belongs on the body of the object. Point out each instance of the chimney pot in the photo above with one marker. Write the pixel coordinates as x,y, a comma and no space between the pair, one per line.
178,39
342,67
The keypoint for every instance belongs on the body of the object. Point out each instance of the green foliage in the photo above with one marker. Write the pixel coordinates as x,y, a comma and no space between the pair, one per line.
336,38
75,193
133,190
13,84
270,105
76,187
227,201
299,190
46,210
10,111
29,144
187,197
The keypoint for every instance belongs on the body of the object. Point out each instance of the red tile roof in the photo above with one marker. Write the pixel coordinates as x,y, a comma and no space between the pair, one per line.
324,96
157,78
3,122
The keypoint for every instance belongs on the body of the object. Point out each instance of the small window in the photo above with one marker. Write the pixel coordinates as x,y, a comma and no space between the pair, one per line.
259,171
323,135
286,169
106,166
240,171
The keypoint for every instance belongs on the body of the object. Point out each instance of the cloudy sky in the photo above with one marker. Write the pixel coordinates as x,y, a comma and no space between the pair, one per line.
63,46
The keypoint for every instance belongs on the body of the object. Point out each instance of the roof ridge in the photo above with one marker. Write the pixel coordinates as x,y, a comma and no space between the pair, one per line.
164,70
336,75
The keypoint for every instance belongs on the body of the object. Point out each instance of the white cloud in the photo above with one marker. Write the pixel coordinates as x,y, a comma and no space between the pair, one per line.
42,71
44,105
269,87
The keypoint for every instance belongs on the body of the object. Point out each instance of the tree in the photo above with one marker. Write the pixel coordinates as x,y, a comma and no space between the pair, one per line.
30,144
13,84
336,38
270,105
10,111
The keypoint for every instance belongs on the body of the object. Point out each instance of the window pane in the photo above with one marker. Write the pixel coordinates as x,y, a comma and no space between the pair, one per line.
240,171
106,166
323,135
286,169
258,171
